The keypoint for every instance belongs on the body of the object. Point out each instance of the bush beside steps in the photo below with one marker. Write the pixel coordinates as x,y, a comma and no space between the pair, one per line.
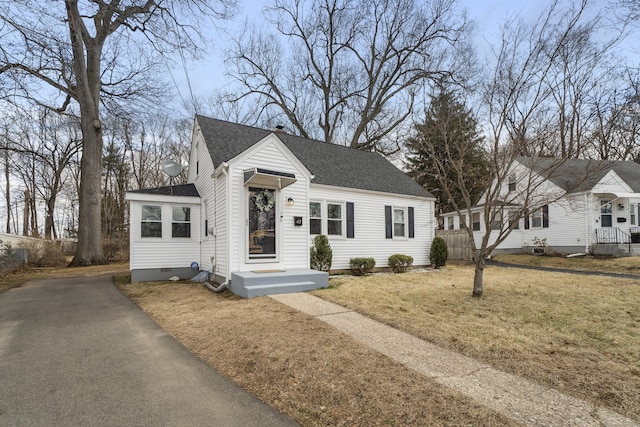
362,266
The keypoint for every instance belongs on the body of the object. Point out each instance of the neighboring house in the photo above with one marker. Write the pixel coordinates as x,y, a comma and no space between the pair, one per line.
580,206
257,198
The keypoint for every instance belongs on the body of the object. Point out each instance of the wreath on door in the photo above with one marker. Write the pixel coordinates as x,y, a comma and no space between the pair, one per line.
265,201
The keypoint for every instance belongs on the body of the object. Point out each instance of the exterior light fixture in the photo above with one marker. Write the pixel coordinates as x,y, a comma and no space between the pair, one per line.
290,201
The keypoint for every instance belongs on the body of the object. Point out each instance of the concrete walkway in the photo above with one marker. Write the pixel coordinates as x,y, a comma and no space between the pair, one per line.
523,401
76,352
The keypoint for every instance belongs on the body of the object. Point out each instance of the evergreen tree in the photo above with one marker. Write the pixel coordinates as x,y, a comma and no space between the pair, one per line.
448,136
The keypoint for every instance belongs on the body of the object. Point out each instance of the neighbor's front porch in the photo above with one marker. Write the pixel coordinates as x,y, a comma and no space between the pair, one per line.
617,241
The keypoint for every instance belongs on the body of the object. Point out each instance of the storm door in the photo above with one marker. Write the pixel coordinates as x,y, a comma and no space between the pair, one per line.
606,213
262,223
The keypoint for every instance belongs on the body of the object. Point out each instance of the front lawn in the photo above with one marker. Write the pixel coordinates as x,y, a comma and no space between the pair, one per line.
579,334
624,265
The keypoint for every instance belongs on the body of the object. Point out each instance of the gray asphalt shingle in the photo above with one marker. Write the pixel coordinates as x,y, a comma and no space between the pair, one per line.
188,190
577,175
330,164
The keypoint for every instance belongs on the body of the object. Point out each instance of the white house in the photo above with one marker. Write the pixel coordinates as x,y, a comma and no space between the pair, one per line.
257,198
593,207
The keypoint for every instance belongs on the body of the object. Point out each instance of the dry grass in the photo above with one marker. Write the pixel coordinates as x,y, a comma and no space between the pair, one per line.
626,265
27,274
579,334
300,365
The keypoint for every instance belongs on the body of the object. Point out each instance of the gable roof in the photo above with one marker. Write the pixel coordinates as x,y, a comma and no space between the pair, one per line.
187,190
577,175
330,164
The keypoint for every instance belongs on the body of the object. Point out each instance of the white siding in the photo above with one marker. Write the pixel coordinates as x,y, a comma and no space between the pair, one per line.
165,251
216,245
292,248
611,183
567,227
213,208
369,226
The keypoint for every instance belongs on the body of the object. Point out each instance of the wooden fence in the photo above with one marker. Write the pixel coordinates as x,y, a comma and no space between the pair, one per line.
458,244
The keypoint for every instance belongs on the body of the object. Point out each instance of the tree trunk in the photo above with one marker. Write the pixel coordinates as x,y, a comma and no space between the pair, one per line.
85,48
49,232
477,278
7,193
89,251
26,215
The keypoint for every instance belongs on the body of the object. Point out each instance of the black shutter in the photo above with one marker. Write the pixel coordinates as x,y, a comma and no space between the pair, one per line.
412,232
350,221
206,227
545,216
526,219
388,225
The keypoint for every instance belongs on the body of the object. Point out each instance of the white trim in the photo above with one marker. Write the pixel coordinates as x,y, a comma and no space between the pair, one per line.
370,192
278,247
405,210
620,195
161,198
343,218
320,202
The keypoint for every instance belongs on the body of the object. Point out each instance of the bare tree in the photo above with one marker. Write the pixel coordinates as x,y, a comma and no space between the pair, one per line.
351,69
42,146
516,96
7,174
617,116
150,143
91,53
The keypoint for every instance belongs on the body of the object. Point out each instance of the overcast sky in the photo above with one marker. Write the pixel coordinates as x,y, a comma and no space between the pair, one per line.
208,74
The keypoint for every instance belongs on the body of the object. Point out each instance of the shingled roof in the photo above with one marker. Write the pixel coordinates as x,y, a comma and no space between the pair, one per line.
330,164
577,175
188,190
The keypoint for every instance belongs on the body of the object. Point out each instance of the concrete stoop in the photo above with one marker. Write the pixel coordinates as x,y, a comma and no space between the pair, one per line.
616,249
249,284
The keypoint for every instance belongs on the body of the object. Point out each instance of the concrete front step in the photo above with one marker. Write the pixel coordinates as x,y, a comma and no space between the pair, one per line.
616,249
249,284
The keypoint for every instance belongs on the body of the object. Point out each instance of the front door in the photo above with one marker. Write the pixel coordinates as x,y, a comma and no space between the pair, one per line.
606,213
262,224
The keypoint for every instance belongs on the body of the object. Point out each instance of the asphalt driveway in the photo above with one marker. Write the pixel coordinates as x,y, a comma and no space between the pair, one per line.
77,352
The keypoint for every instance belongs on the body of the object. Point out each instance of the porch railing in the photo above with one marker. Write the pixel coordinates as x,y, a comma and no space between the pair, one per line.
614,235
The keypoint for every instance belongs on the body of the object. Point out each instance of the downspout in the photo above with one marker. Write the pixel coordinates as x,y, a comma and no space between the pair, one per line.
225,285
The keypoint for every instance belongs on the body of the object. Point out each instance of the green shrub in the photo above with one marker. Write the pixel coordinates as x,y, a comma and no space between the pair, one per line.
362,266
400,263
439,252
321,253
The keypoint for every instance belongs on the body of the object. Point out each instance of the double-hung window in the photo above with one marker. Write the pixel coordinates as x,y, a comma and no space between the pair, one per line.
181,222
315,218
450,223
536,218
475,221
512,182
151,221
399,222
334,219
496,223
514,220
